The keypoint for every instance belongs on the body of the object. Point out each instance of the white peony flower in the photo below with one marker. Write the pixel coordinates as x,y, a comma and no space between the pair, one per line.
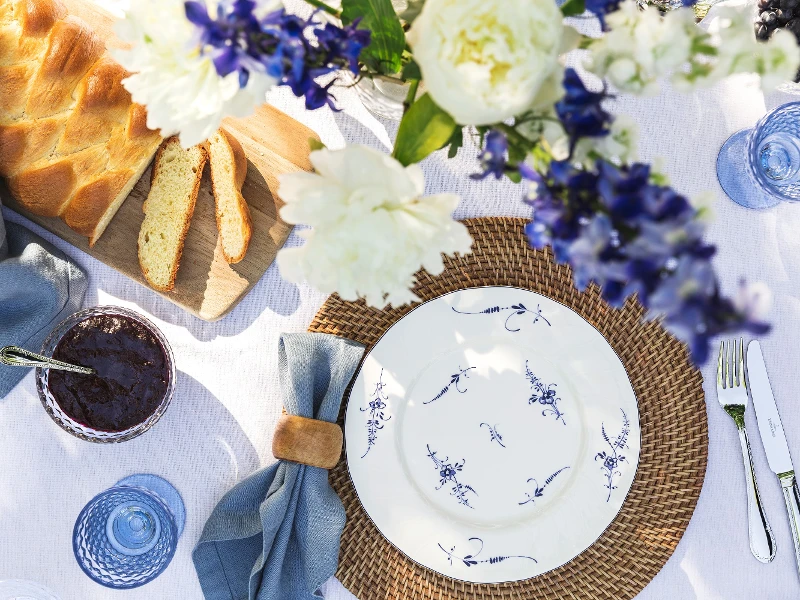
484,61
372,227
177,84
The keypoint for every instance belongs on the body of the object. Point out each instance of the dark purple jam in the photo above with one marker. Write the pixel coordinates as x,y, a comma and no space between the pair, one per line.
132,373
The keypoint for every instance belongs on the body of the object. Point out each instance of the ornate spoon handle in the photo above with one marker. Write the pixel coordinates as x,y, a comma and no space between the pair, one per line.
14,356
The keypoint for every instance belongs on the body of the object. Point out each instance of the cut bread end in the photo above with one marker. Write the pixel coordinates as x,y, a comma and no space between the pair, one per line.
168,211
116,203
228,173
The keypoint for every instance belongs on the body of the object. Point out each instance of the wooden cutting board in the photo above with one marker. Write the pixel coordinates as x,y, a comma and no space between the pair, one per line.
206,285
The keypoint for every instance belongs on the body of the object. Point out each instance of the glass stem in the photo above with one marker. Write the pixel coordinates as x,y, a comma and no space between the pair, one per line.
322,6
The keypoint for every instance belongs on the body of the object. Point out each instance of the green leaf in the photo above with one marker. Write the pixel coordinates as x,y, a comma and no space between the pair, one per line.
571,8
517,153
412,71
455,142
425,128
388,40
315,144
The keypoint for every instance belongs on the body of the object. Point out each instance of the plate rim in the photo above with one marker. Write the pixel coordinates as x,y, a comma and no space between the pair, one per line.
355,488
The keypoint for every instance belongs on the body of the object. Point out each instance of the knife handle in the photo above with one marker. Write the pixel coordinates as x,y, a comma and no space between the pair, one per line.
762,542
792,497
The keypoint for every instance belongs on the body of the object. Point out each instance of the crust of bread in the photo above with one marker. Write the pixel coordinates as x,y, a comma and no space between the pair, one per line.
69,131
239,176
46,190
187,222
25,142
39,16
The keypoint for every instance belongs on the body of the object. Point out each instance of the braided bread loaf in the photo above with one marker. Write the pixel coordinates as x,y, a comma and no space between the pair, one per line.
72,143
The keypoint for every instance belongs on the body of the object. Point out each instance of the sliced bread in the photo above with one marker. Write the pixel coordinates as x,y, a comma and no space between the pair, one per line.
228,172
168,211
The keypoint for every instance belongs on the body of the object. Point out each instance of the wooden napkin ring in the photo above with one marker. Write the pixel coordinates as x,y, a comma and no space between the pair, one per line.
307,441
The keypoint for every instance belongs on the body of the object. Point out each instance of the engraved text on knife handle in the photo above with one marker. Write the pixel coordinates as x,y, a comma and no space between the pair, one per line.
762,542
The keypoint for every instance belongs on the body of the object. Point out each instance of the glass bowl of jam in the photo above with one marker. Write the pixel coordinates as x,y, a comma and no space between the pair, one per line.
135,377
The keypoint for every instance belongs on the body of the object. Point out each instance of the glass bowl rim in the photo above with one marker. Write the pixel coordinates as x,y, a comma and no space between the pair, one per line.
85,432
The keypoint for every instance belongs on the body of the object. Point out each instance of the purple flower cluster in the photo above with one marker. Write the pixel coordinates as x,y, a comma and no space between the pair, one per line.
617,228
294,51
493,156
581,111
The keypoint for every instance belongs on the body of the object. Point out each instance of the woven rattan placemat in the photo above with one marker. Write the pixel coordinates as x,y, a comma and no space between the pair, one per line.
672,462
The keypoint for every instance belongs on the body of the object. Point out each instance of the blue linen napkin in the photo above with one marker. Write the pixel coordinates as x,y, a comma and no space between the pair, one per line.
275,535
39,288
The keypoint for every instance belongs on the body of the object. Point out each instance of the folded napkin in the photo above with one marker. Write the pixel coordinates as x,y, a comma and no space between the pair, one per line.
275,536
39,288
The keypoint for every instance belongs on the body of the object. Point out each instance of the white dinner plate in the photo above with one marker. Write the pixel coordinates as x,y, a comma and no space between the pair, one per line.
492,434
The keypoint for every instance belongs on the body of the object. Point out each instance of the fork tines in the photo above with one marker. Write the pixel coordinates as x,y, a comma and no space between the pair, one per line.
730,367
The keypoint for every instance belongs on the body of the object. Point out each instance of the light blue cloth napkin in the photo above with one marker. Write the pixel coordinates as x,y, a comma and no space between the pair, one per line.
275,536
39,288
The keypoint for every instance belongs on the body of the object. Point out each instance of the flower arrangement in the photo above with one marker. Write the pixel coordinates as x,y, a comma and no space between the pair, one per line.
490,68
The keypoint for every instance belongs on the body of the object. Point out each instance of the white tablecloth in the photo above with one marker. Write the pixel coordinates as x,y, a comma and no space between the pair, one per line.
219,427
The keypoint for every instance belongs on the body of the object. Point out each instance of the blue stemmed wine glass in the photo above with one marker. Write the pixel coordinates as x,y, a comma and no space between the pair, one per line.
126,536
760,167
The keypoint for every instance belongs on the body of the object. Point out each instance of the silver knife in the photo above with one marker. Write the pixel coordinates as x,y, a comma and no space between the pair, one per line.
773,438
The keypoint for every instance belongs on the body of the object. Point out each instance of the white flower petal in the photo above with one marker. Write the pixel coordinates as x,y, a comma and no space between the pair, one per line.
479,59
173,79
373,229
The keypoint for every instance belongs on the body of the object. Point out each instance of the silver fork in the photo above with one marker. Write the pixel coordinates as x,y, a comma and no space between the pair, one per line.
732,394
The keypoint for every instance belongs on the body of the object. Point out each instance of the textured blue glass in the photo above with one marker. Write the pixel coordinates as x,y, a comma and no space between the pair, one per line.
125,537
760,167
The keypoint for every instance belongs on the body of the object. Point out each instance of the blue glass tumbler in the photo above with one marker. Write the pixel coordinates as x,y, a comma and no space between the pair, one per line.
126,536
760,167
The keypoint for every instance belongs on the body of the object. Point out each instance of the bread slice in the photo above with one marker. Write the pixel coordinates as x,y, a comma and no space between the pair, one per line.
228,172
168,211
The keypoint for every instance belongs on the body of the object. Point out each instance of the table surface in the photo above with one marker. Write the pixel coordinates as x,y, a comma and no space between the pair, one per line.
219,426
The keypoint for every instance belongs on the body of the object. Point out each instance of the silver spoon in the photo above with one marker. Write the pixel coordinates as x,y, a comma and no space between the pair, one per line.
14,356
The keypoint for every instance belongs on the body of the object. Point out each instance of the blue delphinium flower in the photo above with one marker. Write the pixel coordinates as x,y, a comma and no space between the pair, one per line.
588,252
600,8
493,155
618,229
228,35
294,51
580,110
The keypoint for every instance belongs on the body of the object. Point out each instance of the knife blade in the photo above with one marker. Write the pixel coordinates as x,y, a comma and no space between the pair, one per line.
769,421
774,439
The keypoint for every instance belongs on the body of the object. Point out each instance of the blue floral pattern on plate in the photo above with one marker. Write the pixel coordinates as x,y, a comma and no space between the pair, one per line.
471,560
494,435
376,417
544,394
455,381
448,475
538,492
613,458
515,310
